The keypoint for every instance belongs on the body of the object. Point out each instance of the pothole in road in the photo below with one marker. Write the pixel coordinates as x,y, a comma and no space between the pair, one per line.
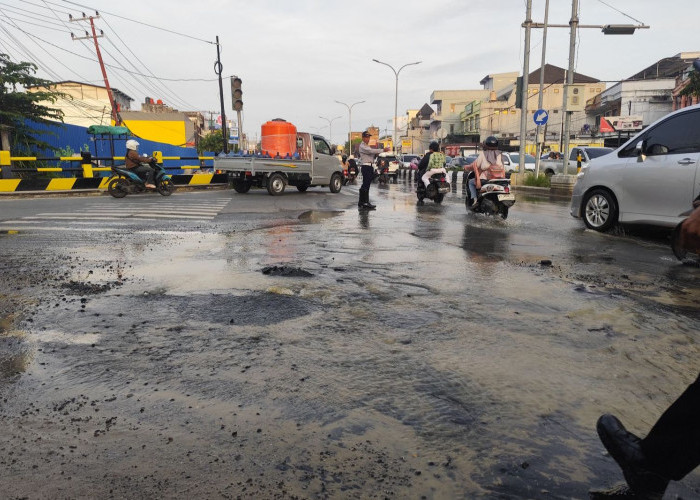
319,216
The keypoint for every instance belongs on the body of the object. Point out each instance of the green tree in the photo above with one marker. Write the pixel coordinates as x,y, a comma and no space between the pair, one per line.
213,141
693,87
17,105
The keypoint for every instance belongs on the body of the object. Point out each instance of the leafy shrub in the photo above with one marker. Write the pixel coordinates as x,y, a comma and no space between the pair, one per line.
541,181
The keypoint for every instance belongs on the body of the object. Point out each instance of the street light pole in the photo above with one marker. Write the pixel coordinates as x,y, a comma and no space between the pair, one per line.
330,125
539,144
525,90
349,106
396,92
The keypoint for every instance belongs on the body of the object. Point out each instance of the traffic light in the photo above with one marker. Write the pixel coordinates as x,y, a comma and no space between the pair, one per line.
236,93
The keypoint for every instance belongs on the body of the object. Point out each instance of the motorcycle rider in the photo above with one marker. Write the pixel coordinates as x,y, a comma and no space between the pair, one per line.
488,165
367,156
432,163
139,164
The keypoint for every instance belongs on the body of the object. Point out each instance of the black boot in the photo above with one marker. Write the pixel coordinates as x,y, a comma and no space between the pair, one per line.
361,201
626,449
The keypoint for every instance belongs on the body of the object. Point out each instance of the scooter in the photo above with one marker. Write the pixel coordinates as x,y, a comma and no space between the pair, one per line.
350,174
437,187
494,197
124,181
382,171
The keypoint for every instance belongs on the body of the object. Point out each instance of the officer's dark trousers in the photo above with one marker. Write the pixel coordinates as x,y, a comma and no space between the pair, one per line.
672,446
367,176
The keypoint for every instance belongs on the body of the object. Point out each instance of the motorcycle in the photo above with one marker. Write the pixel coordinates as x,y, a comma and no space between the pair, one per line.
436,189
124,181
350,174
382,171
494,197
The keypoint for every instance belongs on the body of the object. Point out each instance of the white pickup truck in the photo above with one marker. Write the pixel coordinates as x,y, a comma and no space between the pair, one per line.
312,164
587,153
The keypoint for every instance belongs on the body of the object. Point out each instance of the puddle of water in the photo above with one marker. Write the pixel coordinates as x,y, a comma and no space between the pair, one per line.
316,216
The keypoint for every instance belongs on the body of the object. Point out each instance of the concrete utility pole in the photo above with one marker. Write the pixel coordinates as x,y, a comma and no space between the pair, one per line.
569,81
115,112
540,96
526,70
218,68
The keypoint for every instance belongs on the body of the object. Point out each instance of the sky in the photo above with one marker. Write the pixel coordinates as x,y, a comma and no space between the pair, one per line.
296,59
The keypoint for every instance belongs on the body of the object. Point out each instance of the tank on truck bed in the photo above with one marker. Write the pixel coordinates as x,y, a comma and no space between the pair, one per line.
312,164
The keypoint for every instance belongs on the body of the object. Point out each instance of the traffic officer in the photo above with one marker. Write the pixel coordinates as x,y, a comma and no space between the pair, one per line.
367,156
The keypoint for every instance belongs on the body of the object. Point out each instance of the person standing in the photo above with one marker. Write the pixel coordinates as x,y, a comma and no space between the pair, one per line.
367,156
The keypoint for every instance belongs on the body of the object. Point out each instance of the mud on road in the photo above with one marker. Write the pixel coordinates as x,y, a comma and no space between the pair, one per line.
321,355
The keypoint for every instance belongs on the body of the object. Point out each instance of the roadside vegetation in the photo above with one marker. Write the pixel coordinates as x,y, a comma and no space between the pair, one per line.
540,181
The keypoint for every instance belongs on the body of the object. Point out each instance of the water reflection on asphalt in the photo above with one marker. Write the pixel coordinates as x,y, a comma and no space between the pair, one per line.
432,346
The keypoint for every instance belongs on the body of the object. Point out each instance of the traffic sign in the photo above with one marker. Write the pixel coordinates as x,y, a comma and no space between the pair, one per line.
540,117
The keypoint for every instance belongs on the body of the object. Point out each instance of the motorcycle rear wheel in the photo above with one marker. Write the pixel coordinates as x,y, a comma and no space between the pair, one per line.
503,212
117,187
439,197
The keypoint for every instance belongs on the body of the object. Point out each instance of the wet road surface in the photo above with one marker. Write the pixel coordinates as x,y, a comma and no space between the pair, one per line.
294,347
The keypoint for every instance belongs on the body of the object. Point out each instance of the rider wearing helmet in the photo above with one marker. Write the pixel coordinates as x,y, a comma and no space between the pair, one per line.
139,164
488,165
432,163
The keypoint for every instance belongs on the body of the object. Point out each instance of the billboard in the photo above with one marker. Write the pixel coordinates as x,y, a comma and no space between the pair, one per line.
621,123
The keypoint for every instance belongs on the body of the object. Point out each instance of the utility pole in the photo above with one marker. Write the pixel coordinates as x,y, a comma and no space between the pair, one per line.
525,94
540,96
217,69
569,81
115,112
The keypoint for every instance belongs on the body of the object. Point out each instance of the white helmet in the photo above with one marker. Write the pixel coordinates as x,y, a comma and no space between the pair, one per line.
132,144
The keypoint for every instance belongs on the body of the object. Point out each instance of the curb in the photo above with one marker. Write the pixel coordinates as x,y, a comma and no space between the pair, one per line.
74,184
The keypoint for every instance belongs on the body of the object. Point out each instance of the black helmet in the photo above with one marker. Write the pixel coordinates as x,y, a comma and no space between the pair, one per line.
345,158
434,146
491,142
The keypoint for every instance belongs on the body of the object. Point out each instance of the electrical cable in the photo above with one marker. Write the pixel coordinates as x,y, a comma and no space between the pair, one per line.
139,22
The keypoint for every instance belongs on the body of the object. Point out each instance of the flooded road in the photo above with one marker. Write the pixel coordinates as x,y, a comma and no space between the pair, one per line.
293,347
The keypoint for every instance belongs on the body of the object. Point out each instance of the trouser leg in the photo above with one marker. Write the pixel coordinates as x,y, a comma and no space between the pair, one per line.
672,446
472,189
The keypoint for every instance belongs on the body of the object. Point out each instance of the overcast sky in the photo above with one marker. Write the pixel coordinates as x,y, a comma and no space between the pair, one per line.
296,58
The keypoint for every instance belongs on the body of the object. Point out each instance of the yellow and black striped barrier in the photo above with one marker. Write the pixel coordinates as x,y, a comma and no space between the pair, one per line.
87,169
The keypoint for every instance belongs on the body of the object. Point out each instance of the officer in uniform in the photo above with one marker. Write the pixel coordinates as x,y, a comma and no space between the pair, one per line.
367,156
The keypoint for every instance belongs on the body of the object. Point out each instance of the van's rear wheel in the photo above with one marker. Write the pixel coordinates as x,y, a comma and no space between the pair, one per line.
276,184
600,210
242,186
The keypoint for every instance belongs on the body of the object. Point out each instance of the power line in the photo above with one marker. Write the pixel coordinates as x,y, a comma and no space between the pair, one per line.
139,22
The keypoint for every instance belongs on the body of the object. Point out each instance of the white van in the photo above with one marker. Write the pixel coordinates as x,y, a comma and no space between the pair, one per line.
651,179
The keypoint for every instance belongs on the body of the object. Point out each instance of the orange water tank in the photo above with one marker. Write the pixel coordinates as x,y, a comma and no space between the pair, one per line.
278,137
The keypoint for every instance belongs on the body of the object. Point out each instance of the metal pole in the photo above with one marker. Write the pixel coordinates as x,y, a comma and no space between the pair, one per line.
569,80
396,93
525,94
217,69
540,96
349,123
330,126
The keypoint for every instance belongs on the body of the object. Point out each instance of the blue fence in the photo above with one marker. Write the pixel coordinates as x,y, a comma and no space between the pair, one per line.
63,135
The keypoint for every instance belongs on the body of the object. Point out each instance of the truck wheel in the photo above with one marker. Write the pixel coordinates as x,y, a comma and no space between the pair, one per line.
302,187
336,183
242,186
276,184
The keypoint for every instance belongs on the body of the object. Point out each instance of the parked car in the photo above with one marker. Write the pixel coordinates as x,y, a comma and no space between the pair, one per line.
651,179
511,161
459,162
551,167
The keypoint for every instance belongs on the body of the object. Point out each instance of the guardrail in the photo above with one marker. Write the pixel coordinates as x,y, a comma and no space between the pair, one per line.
87,169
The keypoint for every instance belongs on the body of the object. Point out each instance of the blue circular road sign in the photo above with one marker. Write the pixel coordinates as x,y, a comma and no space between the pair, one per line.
540,117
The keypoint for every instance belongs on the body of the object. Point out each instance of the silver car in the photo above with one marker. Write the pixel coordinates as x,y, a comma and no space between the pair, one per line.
651,179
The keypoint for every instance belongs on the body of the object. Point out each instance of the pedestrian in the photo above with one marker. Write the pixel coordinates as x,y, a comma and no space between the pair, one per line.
139,164
367,156
670,451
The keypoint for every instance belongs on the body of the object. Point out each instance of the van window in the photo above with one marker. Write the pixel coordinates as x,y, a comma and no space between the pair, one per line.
321,146
677,135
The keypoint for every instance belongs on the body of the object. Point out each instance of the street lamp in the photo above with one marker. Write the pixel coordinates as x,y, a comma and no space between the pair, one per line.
349,106
330,126
396,92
